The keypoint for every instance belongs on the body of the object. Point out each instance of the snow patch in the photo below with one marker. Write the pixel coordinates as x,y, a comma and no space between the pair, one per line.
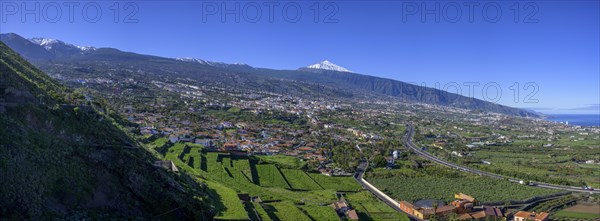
328,65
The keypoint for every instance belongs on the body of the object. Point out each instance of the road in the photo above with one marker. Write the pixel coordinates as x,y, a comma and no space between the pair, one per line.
407,139
360,171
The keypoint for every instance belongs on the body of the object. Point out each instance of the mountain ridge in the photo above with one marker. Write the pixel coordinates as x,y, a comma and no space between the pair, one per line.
353,84
48,43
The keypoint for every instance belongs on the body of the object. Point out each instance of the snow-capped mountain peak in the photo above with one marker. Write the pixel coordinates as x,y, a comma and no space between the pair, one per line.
194,60
328,65
49,44
44,42
85,48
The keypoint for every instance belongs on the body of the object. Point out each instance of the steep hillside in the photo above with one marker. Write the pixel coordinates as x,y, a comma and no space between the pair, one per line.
25,47
64,156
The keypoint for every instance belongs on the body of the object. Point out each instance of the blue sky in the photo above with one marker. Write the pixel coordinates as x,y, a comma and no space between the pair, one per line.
553,47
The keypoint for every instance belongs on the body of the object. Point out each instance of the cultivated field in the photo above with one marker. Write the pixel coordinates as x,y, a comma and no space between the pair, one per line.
585,208
285,211
324,213
580,211
525,153
269,176
293,194
299,180
435,182
369,208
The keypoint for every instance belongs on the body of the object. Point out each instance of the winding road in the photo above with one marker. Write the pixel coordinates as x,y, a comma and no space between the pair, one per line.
407,139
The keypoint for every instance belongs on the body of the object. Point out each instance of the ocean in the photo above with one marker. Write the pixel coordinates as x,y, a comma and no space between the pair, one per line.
576,119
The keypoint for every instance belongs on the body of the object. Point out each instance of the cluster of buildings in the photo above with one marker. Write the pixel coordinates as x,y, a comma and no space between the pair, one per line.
463,207
228,137
343,209
231,135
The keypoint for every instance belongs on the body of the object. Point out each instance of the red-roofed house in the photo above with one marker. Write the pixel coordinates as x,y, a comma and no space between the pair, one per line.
522,216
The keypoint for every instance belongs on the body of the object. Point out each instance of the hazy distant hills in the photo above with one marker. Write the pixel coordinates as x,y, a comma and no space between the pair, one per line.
323,79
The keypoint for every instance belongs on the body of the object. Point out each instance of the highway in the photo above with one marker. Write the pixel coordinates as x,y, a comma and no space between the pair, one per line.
407,139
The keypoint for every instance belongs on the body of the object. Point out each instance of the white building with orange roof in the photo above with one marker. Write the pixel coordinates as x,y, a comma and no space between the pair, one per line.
533,216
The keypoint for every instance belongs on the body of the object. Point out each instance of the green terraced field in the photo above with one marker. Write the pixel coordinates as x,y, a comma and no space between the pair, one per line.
212,165
230,175
339,183
232,169
270,176
299,180
257,210
219,168
285,211
321,213
158,143
175,154
285,161
231,208
193,157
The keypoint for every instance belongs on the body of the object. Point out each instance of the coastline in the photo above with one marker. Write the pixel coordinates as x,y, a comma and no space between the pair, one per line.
575,119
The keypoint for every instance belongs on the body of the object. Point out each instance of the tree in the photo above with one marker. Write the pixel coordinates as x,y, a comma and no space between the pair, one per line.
433,217
379,161
453,217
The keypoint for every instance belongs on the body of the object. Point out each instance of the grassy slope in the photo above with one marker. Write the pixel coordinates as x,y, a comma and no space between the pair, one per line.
299,180
233,209
260,211
65,162
270,176
284,211
324,213
346,183
285,161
